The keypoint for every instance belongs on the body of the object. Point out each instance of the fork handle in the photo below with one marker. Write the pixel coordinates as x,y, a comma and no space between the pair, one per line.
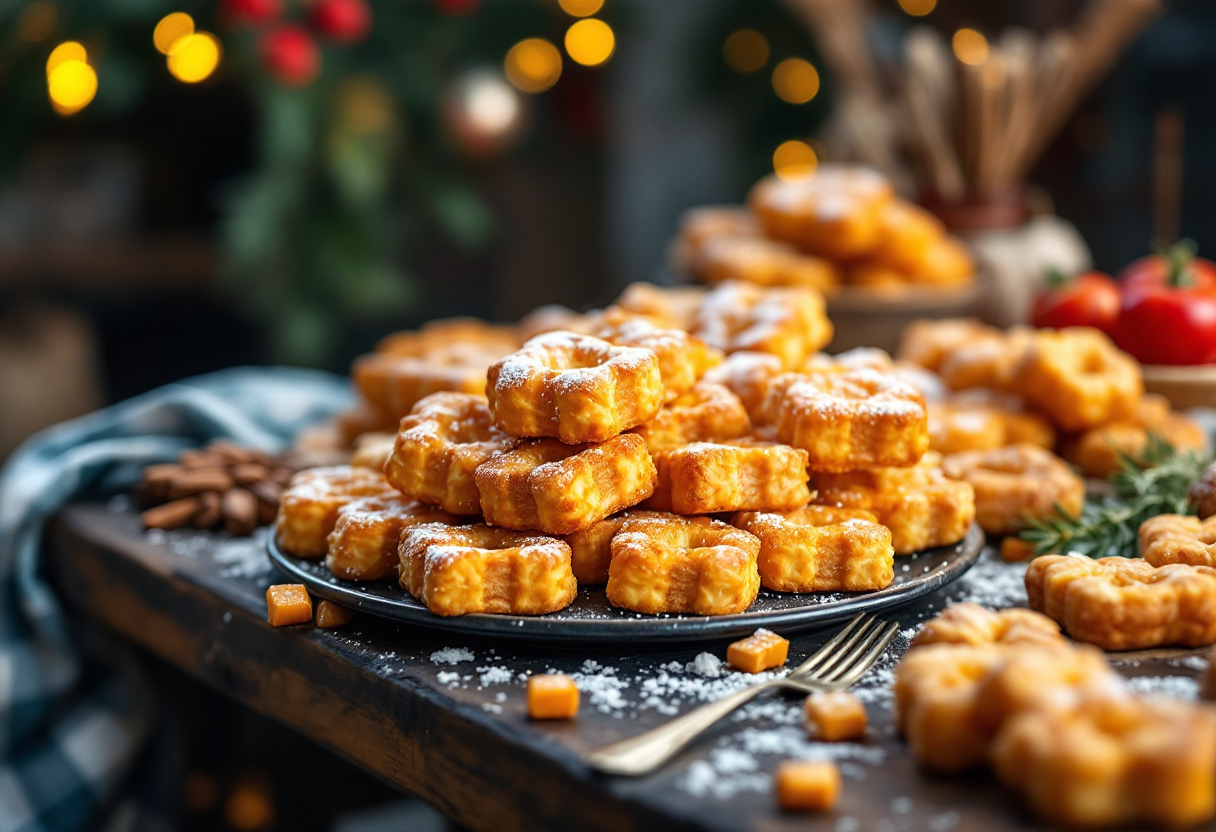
646,752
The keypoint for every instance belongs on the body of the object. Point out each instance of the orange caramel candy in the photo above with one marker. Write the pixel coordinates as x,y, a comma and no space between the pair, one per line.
758,652
288,604
807,785
552,696
836,715
330,615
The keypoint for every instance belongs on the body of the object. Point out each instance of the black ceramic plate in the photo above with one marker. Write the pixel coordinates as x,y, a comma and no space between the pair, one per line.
591,617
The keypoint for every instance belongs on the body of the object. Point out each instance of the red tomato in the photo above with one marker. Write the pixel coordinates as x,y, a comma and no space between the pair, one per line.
1173,266
1168,314
1089,299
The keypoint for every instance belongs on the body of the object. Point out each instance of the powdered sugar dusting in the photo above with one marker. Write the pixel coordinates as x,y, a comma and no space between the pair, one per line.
452,655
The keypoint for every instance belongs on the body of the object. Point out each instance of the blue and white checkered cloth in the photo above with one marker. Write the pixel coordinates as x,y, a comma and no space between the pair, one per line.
73,709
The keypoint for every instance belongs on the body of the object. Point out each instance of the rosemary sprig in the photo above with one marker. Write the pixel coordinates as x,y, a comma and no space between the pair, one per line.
1154,482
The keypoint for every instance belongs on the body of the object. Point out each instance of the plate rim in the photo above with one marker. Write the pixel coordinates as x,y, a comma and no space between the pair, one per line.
677,629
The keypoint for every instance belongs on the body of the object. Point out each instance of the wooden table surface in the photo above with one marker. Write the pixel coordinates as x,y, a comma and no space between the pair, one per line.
457,735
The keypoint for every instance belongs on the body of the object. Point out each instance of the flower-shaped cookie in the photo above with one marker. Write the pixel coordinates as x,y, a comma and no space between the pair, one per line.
457,570
682,358
683,565
591,549
1098,451
1178,538
708,412
849,420
732,475
820,549
1125,604
309,507
1016,483
363,544
763,262
673,306
574,387
1078,378
440,444
560,489
789,322
747,375
972,624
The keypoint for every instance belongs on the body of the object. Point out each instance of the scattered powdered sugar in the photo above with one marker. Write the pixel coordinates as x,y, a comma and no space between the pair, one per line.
242,557
992,583
494,675
707,665
448,677
1175,687
452,655
1191,662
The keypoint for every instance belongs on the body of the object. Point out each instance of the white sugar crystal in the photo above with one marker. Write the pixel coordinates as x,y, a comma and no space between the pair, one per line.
448,677
452,655
1175,687
494,675
707,665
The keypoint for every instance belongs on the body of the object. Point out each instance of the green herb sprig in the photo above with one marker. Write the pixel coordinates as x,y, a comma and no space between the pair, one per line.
1153,482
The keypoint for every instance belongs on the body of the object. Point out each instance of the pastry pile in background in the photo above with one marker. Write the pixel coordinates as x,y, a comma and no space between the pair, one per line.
682,447
841,225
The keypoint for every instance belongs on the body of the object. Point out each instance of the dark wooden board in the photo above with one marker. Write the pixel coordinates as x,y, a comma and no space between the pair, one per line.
371,692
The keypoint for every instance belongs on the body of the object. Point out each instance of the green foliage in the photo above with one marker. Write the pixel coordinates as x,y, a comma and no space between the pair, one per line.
1155,482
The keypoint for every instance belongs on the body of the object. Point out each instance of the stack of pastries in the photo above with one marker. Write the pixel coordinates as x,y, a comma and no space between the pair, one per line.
841,224
682,447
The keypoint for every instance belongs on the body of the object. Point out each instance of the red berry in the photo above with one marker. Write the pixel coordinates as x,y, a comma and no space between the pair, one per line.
291,55
344,21
250,12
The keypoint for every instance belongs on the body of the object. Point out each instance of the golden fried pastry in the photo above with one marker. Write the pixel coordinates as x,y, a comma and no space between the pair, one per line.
441,443
706,224
957,427
1020,424
732,475
874,275
309,507
554,317
1176,538
1125,604
834,212
457,570
591,549
560,489
820,549
1078,378
372,450
849,420
363,544
952,700
922,508
1016,483
1098,452
447,332
986,362
763,262
906,233
1112,759
393,384
928,342
706,413
971,624
683,565
747,375
790,322
574,387
945,262
674,306
682,358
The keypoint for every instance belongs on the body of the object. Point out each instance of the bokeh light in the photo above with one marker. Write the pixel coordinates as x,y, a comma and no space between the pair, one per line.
795,80
918,8
970,47
580,8
590,42
38,21
194,57
170,28
533,65
66,51
745,50
71,85
793,159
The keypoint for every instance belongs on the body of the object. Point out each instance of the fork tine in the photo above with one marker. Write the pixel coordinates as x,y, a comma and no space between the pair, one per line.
867,661
827,649
844,653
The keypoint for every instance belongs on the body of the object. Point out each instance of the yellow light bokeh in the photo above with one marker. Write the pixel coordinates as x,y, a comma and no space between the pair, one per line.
970,47
581,8
533,65
71,85
194,57
38,21
745,50
918,8
590,42
794,159
66,51
171,28
795,80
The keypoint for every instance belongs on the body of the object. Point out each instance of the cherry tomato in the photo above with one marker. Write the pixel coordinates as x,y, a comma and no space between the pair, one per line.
1089,299
1168,313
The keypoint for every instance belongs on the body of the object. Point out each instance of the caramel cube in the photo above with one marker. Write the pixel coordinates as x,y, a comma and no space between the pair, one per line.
288,604
331,615
807,785
1014,549
552,697
836,715
759,651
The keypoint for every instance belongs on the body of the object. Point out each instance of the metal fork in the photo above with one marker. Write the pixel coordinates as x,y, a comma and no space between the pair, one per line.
836,665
